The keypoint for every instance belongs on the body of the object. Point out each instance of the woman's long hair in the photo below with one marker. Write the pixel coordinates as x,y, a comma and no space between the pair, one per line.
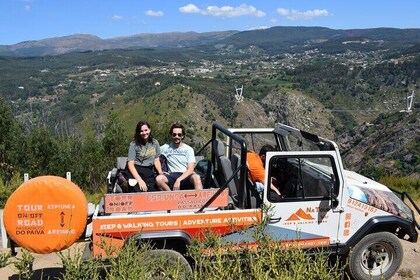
137,138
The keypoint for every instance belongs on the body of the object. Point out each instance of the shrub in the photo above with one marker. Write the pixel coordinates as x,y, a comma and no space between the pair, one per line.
212,258
270,260
4,259
7,188
403,184
77,268
24,265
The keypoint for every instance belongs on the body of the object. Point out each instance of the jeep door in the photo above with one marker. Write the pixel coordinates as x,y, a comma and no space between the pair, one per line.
308,209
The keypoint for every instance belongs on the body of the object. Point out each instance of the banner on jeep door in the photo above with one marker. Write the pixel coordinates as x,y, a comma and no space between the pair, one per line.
157,201
46,214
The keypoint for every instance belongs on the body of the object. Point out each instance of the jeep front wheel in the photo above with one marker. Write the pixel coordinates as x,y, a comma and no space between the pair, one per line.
376,256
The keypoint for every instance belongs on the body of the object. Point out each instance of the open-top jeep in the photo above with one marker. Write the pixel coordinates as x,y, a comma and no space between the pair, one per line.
321,205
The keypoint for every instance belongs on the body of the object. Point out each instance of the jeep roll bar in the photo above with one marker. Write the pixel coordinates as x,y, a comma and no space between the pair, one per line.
402,196
242,169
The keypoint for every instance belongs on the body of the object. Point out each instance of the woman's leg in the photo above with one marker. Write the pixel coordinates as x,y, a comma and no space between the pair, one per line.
148,176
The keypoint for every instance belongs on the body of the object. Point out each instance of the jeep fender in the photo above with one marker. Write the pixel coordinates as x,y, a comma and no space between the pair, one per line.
393,224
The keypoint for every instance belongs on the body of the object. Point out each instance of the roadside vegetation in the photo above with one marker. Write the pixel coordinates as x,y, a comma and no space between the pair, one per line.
403,184
39,152
209,258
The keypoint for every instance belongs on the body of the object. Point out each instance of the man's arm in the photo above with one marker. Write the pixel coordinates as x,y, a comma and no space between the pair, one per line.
188,172
275,189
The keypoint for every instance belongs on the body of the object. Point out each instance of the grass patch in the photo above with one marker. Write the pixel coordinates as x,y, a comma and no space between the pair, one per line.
403,184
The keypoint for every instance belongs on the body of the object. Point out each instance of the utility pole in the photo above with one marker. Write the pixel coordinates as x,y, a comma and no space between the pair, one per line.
409,100
238,94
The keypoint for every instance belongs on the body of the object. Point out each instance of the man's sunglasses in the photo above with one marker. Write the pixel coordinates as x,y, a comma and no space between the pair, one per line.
177,134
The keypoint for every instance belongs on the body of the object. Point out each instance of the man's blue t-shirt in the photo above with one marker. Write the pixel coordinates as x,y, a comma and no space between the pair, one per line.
178,158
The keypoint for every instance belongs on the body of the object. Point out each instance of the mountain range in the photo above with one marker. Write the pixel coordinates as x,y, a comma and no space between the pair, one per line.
272,39
87,42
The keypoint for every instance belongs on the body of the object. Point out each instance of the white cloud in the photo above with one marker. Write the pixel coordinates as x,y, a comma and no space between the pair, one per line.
258,28
153,13
27,8
189,9
273,20
224,11
296,15
117,17
228,11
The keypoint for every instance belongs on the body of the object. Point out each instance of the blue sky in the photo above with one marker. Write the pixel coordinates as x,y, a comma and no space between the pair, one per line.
22,20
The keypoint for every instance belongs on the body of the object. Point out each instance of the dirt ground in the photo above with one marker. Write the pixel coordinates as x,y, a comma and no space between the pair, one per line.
45,266
410,267
49,266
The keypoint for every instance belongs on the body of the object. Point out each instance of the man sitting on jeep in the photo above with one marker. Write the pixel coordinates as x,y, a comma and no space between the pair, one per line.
256,168
181,162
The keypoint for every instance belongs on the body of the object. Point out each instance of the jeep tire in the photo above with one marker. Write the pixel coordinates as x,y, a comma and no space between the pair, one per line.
376,256
167,264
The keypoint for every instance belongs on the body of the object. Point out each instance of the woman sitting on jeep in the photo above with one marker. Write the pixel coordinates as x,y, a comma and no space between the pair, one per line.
143,158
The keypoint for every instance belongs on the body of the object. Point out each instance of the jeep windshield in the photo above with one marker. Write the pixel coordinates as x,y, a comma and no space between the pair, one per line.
292,139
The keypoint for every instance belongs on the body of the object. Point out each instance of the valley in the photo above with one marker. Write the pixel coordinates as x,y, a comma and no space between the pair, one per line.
347,86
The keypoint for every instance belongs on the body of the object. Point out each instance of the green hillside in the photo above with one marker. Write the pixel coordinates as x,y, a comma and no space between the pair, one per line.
177,103
329,86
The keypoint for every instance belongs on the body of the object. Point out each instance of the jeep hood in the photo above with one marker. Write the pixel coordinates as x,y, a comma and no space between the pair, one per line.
375,194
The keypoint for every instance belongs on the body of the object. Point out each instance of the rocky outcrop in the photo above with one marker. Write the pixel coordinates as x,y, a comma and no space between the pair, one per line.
391,144
298,110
